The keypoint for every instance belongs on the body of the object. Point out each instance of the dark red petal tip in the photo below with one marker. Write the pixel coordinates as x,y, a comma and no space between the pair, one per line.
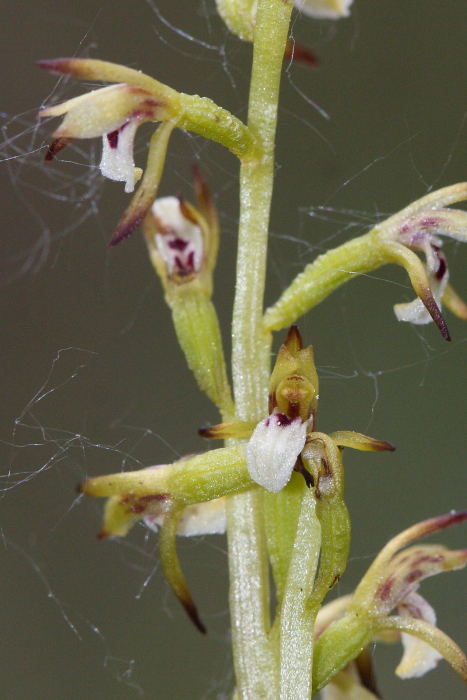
56,65
300,54
56,146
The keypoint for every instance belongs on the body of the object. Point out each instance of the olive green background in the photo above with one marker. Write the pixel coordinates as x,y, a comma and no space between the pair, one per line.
76,618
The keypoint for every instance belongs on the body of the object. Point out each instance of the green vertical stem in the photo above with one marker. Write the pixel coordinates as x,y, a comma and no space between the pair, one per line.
297,615
255,662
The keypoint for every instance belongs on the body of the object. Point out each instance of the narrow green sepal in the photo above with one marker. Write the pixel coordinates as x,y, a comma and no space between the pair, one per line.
171,565
189,481
281,513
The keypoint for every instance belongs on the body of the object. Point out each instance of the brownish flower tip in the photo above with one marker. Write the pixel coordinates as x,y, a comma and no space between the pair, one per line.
54,65
81,487
300,54
207,433
435,313
193,615
127,226
103,534
202,194
294,338
382,446
62,66
434,525
186,211
55,147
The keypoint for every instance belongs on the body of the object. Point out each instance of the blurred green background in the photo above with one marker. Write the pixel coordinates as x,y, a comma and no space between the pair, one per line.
93,381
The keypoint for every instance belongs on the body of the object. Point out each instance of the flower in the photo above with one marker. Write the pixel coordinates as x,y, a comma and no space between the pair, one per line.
397,240
324,9
345,627
123,511
418,233
114,112
183,240
285,439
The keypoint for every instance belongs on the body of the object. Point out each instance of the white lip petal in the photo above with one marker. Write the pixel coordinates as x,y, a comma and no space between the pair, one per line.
419,657
117,155
201,519
324,9
273,450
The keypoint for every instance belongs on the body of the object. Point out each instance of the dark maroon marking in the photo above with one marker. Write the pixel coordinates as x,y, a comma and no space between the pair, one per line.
327,467
206,433
430,222
301,469
414,575
279,419
141,114
404,228
191,260
179,264
81,487
203,196
154,497
384,591
294,410
112,138
178,244
149,102
442,268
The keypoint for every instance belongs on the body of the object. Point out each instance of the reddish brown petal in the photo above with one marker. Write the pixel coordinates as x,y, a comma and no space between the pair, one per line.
300,54
56,146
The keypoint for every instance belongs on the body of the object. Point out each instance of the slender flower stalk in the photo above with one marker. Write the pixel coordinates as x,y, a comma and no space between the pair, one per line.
249,600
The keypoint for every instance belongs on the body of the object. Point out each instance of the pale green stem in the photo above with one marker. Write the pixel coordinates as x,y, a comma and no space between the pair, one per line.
255,665
323,276
297,615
